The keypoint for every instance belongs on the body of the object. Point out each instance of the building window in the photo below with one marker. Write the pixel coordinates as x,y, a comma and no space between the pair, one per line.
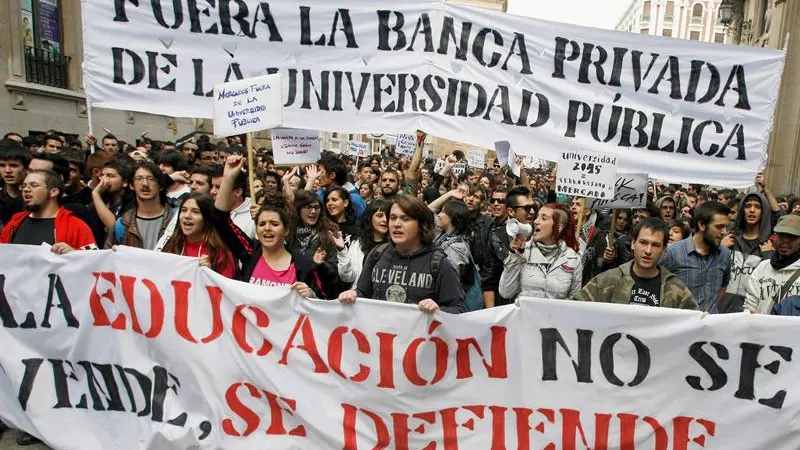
644,31
45,62
646,12
666,32
719,38
694,35
669,11
697,13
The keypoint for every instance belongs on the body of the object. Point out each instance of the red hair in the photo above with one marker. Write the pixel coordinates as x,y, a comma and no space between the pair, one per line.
564,217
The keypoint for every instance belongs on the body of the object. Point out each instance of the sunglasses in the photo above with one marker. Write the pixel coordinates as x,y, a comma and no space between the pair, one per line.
527,208
496,200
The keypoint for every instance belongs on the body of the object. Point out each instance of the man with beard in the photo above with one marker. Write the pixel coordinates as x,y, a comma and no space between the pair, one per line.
147,223
516,204
778,277
44,220
389,184
700,261
749,241
641,281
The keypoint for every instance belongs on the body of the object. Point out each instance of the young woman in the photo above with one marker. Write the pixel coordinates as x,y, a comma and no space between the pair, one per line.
312,236
367,192
266,261
410,268
453,236
196,236
548,266
678,231
374,231
342,212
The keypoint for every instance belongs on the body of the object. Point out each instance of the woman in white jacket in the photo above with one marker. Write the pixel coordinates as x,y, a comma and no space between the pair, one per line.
548,266
374,231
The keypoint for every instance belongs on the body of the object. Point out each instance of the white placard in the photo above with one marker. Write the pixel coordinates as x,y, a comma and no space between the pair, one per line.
586,174
680,110
405,145
459,168
476,158
503,150
249,105
630,193
292,146
438,165
360,149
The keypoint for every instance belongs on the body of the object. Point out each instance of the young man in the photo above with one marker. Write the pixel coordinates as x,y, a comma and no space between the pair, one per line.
51,144
200,179
208,155
516,204
749,241
776,278
700,261
146,223
111,198
331,172
641,281
44,220
600,256
13,161
410,268
174,165
666,208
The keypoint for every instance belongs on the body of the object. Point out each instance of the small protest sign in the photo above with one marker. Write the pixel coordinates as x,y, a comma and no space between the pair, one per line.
503,150
405,145
249,105
630,193
293,146
438,166
586,174
360,149
476,158
459,168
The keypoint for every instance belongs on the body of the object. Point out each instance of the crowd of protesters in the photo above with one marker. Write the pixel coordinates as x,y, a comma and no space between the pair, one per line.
434,233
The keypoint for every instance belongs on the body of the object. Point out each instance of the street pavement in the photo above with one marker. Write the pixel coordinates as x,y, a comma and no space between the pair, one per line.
8,443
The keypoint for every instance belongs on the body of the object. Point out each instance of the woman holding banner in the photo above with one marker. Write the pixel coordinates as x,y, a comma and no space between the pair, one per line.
197,237
548,266
266,261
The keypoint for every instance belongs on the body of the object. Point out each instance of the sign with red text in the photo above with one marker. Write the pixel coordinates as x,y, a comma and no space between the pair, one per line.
680,110
106,349
291,146
358,148
247,106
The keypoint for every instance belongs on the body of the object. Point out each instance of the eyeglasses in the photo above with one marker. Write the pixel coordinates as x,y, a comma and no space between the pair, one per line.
312,207
527,208
140,179
496,200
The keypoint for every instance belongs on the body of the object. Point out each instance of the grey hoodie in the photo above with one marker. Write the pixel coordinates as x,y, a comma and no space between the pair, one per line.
408,279
746,254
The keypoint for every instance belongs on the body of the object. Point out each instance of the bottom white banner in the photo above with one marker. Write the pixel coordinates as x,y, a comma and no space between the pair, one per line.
135,349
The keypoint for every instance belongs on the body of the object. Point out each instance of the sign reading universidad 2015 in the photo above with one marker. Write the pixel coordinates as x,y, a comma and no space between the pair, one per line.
678,110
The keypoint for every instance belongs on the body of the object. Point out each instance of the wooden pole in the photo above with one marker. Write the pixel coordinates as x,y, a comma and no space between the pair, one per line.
613,228
580,219
251,167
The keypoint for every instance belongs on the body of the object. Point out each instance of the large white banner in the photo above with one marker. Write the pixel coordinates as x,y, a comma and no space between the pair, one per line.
107,350
676,109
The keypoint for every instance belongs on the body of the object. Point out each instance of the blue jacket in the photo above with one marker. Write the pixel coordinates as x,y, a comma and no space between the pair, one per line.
790,306
358,202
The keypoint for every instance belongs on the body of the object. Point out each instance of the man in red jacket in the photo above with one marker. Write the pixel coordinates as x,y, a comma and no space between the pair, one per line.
44,220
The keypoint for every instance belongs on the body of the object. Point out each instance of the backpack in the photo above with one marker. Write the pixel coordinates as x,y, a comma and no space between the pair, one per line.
470,281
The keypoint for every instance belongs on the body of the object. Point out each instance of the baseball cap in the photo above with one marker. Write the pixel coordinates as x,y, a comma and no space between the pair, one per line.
789,224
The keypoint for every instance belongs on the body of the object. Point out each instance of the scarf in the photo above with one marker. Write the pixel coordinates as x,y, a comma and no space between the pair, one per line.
550,252
303,237
781,262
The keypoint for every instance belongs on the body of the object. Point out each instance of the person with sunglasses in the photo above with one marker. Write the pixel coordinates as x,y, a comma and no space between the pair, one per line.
517,204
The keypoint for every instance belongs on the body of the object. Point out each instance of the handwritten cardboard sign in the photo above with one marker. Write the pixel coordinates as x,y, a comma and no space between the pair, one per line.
630,193
249,105
293,146
405,145
476,158
586,174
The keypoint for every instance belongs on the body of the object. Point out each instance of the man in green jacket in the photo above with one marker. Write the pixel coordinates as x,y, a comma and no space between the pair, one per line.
641,281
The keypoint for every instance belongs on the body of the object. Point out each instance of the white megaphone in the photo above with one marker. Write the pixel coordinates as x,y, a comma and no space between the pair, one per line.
514,228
